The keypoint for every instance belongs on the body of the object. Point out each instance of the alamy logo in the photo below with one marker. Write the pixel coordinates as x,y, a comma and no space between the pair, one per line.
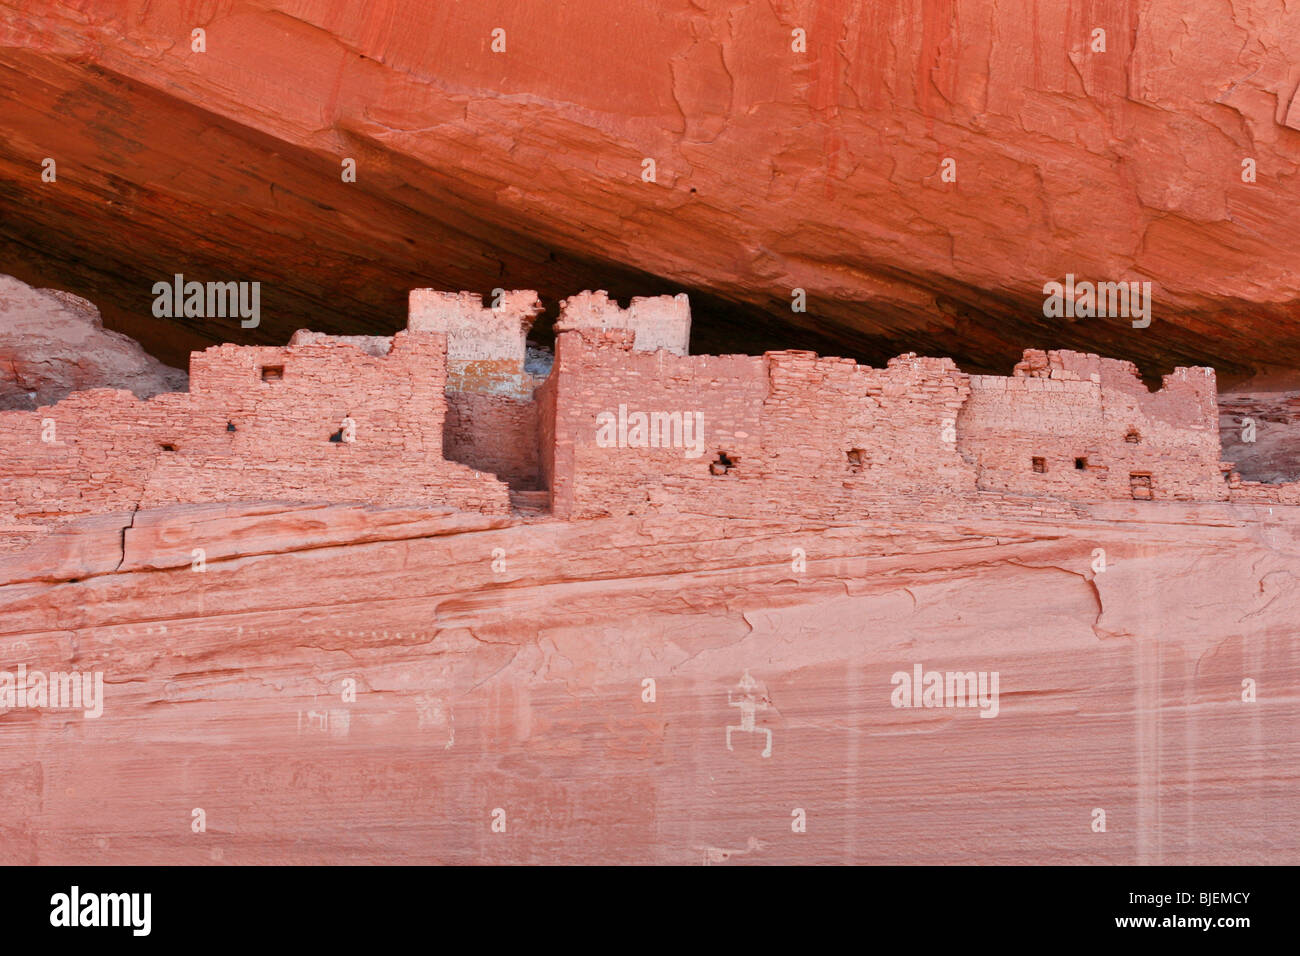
210,300
922,688
72,690
1085,300
651,430
102,909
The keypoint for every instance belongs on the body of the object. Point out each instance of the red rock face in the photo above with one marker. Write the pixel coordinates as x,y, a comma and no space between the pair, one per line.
506,669
1261,433
786,655
53,343
401,596
779,164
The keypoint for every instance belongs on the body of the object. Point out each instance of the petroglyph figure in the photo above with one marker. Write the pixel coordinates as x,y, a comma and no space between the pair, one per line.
717,854
316,720
749,703
432,712
336,722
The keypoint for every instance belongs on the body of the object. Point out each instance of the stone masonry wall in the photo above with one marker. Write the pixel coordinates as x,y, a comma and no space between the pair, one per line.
787,431
626,423
596,372
485,346
825,436
256,425
867,428
1086,428
495,434
544,397
659,322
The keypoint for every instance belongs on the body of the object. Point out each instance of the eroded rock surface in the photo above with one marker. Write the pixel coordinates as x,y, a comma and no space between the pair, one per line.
53,343
776,168
674,678
1261,433
709,673
501,674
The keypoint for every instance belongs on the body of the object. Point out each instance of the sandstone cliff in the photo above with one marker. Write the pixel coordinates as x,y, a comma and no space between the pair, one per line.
53,343
779,164
505,668
477,635
321,682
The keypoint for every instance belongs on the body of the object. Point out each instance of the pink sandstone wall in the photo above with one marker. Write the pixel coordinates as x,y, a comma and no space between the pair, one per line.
494,434
659,322
597,371
113,452
828,437
1094,425
544,396
485,345
786,422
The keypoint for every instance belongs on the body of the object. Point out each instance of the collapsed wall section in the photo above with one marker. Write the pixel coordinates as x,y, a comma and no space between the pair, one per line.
657,322
1264,493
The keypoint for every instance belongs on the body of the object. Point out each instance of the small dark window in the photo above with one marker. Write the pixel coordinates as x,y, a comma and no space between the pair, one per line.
857,458
1040,465
722,465
230,426
1140,486
1132,437
167,447
337,436
1081,463
272,373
